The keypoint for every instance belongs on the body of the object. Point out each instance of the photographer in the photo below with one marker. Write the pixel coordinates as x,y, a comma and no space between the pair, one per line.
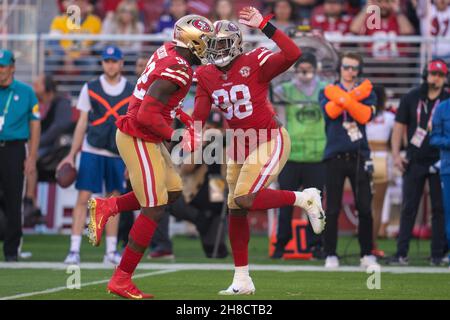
414,116
348,106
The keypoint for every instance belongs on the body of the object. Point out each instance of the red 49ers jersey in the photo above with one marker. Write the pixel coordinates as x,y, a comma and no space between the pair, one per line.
240,93
165,64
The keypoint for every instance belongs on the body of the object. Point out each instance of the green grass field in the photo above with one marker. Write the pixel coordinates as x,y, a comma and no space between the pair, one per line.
192,276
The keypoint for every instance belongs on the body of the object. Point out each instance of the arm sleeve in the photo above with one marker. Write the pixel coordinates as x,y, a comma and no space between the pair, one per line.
150,115
363,111
333,110
437,137
34,107
272,64
64,115
202,105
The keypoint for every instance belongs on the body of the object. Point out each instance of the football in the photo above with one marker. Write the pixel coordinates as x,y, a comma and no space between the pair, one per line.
66,175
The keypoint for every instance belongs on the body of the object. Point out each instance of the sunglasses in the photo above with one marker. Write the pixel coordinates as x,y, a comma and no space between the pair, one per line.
347,67
437,74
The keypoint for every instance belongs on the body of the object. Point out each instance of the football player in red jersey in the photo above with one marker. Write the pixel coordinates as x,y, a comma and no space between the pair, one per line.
140,135
238,85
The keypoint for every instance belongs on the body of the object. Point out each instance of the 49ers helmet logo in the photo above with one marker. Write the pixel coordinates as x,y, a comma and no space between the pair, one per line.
201,25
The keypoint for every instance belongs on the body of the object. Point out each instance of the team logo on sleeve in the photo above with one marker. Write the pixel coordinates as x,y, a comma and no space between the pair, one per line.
245,71
202,25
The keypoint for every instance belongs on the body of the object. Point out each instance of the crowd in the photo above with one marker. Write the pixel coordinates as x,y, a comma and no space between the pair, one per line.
332,17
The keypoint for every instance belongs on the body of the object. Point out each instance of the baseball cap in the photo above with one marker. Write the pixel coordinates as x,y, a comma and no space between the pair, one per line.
437,66
112,52
6,57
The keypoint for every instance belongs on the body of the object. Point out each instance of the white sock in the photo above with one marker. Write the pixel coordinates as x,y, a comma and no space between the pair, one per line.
111,244
75,243
241,272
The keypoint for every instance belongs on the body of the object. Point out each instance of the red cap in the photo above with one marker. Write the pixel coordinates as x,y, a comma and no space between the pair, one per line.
437,66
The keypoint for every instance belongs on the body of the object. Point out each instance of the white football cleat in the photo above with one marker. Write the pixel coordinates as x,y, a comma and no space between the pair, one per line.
112,258
243,286
309,199
332,262
369,261
72,258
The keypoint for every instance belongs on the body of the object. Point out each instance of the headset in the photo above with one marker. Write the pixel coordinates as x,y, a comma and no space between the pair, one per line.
357,57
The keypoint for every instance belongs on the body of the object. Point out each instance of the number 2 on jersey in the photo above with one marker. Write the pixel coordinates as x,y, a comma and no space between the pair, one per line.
236,101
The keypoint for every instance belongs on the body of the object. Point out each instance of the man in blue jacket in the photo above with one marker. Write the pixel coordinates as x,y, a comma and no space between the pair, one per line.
347,107
440,138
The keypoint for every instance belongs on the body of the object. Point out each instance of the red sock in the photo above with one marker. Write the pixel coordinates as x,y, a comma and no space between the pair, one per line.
239,234
269,198
141,233
127,202
130,260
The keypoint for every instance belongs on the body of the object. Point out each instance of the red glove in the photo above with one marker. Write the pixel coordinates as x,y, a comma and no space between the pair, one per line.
184,117
192,140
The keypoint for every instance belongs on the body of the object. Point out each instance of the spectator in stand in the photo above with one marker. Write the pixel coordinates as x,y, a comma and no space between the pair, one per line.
109,7
76,53
378,134
332,21
224,10
393,22
284,14
176,10
125,21
440,19
303,11
283,11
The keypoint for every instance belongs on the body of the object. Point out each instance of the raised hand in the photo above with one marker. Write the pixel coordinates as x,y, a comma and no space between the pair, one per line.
250,16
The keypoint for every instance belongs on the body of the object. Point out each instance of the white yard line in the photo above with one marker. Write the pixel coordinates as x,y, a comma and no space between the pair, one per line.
57,289
220,266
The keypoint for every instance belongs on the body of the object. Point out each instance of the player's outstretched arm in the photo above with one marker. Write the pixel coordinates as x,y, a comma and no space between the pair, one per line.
202,105
278,62
150,111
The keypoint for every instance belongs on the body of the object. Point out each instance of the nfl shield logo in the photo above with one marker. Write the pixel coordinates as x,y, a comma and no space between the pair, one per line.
245,71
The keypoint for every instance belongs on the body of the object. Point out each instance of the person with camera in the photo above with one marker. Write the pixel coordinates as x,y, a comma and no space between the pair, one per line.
414,116
348,106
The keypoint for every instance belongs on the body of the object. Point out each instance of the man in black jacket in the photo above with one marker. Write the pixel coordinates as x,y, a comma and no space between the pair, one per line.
414,116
